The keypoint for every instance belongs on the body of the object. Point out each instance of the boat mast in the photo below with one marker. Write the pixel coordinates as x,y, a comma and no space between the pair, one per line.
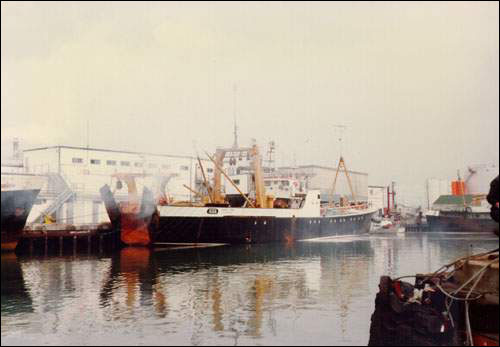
235,143
260,190
341,164
205,182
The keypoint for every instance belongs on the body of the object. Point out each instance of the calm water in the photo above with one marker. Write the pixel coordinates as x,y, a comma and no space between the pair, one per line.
310,293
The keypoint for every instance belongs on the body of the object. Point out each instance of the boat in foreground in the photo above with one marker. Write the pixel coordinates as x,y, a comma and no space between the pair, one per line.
454,306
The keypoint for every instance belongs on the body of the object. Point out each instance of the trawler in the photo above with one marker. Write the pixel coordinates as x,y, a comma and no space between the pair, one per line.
247,213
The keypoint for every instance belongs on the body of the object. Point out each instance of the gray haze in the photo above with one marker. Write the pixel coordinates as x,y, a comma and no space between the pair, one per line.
415,83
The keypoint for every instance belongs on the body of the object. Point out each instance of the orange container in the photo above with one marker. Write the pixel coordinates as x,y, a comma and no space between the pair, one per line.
458,187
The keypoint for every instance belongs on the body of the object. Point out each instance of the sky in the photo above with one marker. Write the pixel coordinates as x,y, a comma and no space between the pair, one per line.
415,84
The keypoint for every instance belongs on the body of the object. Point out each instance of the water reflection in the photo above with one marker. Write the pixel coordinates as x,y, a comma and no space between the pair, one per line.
15,297
304,293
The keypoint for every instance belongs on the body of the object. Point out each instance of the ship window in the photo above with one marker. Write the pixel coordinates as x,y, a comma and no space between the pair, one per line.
95,161
77,160
210,170
111,162
125,163
138,164
184,168
285,183
237,182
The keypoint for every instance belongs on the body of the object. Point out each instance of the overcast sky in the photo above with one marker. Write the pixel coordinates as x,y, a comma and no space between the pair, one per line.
416,84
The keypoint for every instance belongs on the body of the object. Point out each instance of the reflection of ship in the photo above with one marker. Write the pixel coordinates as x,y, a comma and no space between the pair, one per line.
249,214
15,296
16,206
158,279
466,209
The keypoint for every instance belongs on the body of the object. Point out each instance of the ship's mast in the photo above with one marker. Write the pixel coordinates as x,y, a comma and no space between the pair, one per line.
235,143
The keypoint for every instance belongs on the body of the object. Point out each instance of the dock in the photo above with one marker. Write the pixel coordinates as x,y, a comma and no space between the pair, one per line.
63,239
416,227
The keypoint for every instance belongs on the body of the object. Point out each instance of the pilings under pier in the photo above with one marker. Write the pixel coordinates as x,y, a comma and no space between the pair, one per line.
68,239
417,227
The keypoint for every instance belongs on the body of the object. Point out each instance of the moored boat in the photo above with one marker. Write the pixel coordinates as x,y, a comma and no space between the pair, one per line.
245,216
15,208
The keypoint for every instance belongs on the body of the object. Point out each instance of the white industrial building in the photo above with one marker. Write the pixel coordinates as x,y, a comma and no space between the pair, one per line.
377,197
435,187
70,179
478,178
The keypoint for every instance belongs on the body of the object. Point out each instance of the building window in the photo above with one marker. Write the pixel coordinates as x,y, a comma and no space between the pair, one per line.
111,162
138,164
77,160
125,163
185,168
95,161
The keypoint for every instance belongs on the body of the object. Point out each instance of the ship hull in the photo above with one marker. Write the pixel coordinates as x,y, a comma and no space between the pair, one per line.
15,208
257,229
472,222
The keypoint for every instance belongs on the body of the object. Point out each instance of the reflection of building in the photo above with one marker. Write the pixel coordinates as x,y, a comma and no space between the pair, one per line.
345,271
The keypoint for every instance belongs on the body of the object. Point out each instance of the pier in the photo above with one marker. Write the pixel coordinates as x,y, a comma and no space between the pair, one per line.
417,228
65,239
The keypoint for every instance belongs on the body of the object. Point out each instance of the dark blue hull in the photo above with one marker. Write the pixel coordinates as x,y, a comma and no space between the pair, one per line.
238,230
462,223
15,208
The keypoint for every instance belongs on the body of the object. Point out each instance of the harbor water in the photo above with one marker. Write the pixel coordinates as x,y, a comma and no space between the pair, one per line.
305,293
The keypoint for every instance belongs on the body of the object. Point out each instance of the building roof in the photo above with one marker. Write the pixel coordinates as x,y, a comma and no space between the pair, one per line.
318,167
454,199
109,150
